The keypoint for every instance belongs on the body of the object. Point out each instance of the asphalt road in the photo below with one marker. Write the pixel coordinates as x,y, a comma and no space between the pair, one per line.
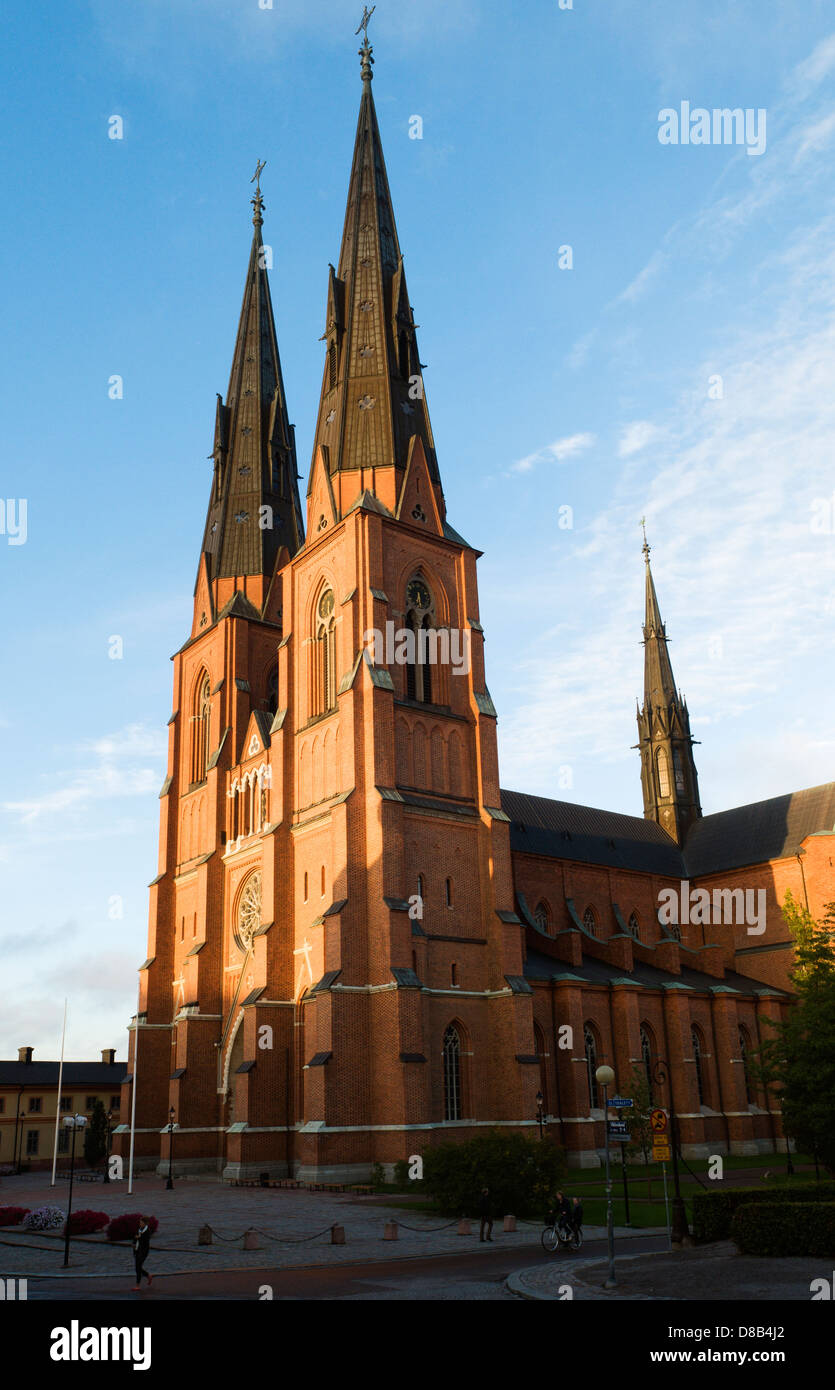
424,1277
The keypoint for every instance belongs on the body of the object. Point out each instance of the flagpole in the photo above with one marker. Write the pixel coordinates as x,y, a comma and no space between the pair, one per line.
58,1098
133,1097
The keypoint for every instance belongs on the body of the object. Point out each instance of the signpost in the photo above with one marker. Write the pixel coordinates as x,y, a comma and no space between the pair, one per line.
621,1102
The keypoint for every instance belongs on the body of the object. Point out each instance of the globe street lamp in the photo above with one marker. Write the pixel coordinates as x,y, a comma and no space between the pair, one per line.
605,1077
73,1122
169,1186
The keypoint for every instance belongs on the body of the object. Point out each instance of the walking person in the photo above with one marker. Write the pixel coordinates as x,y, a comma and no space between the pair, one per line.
486,1212
141,1246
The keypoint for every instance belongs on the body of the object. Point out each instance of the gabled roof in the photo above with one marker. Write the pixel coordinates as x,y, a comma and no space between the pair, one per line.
564,830
772,829
103,1074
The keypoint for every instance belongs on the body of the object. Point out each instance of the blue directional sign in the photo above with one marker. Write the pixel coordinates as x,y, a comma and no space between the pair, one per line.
621,1102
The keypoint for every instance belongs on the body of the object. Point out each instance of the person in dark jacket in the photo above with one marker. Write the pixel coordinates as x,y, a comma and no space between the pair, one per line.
141,1246
563,1209
485,1208
576,1214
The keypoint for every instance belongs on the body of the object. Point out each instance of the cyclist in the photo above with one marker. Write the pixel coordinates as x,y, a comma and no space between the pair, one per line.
563,1212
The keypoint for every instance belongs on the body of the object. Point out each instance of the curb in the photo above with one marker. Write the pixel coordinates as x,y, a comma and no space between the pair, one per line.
571,1276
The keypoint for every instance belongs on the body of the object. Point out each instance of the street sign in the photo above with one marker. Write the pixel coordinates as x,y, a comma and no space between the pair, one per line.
621,1102
618,1128
660,1152
658,1121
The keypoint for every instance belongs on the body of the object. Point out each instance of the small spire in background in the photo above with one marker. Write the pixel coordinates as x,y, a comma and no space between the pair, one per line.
258,201
366,51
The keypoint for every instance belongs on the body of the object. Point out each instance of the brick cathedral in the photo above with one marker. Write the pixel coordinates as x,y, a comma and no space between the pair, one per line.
359,945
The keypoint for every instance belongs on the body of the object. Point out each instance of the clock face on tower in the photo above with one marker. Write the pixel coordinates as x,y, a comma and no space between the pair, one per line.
417,595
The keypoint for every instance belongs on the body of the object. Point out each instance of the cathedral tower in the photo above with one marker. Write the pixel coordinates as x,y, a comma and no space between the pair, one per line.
334,974
668,770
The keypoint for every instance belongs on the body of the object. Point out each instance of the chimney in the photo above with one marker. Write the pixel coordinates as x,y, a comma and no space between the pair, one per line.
108,1056
24,1054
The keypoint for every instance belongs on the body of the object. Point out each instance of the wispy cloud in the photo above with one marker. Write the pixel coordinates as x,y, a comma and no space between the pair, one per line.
636,437
117,765
558,452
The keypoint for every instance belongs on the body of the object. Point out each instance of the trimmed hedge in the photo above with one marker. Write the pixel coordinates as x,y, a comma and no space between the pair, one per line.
789,1228
125,1227
86,1222
12,1216
713,1211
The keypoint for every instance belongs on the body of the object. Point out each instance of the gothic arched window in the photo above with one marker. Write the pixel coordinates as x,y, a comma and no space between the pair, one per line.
678,769
272,690
696,1044
324,675
744,1047
452,1074
590,921
201,729
663,773
542,916
420,620
634,926
590,1048
646,1059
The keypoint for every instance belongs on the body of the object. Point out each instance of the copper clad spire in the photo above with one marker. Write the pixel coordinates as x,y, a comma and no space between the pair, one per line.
668,770
372,404
254,508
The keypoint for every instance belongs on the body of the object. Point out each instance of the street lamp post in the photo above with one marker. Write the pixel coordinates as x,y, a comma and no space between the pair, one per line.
73,1122
169,1186
605,1077
679,1230
539,1105
107,1148
18,1118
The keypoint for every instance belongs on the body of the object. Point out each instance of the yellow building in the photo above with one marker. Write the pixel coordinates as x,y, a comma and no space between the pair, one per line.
29,1100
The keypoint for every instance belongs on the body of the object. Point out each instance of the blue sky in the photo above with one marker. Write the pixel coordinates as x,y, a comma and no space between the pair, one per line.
548,388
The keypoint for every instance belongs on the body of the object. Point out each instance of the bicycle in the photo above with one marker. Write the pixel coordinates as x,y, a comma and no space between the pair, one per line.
560,1234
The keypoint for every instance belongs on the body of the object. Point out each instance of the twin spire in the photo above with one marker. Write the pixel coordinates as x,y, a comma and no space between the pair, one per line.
372,408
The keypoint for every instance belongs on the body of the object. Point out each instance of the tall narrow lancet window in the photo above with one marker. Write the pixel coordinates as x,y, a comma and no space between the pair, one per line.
325,655
420,620
590,921
678,768
272,690
590,1048
646,1059
663,773
452,1074
744,1048
634,926
696,1044
201,730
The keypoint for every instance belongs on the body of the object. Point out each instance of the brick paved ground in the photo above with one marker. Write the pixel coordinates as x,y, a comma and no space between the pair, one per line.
290,1216
715,1272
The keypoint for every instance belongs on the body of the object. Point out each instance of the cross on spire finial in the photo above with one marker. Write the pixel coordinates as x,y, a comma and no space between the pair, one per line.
645,547
366,51
257,201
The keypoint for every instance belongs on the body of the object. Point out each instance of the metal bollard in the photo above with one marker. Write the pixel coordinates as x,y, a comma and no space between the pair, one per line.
251,1241
204,1235
510,1223
464,1227
337,1235
390,1231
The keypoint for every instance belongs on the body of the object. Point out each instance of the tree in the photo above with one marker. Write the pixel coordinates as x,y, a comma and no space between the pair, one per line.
95,1136
799,1057
523,1174
637,1118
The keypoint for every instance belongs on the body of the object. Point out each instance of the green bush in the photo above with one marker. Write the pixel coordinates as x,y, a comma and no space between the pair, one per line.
401,1175
713,1211
522,1174
785,1228
378,1177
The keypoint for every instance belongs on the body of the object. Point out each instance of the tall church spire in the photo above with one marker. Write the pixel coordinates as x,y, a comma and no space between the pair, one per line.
372,409
254,507
668,770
